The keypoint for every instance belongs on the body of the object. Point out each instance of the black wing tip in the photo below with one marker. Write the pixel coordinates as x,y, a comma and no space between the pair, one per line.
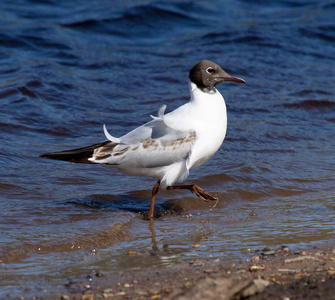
74,158
46,155
80,155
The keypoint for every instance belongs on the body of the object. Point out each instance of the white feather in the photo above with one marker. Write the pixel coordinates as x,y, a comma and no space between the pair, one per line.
110,137
160,113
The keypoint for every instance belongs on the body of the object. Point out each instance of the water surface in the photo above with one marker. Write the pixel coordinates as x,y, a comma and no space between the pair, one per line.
69,67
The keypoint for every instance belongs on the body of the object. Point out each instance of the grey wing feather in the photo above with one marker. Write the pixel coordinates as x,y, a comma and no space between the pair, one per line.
150,145
148,153
155,129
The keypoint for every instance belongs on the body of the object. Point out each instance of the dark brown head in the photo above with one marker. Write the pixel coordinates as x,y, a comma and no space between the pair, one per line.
206,75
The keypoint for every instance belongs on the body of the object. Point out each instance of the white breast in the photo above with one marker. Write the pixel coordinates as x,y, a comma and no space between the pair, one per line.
205,114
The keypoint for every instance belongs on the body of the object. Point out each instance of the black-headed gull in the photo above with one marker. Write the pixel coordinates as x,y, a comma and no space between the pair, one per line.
171,144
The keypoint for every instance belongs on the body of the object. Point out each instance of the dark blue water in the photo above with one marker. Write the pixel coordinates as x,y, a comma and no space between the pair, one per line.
67,67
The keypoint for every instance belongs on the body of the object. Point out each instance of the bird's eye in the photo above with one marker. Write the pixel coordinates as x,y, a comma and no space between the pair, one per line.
210,70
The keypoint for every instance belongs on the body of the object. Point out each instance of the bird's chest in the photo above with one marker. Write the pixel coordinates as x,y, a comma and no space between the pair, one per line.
210,121
210,126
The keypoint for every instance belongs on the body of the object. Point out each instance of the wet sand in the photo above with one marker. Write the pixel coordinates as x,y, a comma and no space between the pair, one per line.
269,274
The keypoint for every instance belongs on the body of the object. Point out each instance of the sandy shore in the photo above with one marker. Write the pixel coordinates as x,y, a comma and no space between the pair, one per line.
271,274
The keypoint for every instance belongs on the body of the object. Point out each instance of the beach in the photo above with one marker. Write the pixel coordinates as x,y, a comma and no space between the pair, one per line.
270,274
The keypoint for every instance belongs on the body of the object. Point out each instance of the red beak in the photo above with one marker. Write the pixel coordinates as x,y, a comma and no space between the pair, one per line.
234,79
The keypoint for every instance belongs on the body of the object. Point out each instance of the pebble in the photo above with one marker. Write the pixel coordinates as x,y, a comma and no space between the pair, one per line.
109,295
65,297
267,249
254,268
288,271
257,286
255,259
208,271
331,272
198,263
286,250
270,252
87,297
154,291
300,258
140,292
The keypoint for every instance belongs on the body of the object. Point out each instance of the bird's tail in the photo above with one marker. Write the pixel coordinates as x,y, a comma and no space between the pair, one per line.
80,155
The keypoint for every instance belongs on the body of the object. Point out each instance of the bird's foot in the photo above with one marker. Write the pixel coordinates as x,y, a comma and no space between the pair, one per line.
202,194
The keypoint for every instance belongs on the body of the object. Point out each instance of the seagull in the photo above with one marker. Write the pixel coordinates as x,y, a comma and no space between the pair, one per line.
170,145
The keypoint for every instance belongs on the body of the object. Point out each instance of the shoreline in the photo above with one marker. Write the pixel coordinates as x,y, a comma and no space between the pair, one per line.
272,274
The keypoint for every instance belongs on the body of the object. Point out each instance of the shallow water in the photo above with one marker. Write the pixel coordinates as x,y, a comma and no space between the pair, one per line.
67,68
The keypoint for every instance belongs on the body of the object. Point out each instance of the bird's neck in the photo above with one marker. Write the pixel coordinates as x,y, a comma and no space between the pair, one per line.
199,94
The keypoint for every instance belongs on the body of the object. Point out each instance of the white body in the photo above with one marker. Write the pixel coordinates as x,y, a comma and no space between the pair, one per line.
169,146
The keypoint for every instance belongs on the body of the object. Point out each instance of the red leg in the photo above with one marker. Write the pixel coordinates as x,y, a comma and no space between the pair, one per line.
202,194
153,198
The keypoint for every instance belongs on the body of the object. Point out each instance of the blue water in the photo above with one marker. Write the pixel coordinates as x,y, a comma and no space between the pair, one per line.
67,67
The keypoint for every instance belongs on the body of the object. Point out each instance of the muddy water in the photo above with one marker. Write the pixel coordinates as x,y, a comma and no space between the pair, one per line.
66,69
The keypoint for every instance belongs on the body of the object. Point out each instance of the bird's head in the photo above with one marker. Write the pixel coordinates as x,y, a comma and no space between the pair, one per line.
206,75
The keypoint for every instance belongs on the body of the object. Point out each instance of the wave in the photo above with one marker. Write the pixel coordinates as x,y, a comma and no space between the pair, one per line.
138,21
312,104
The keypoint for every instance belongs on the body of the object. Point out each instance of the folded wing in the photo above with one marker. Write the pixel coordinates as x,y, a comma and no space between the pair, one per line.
151,145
